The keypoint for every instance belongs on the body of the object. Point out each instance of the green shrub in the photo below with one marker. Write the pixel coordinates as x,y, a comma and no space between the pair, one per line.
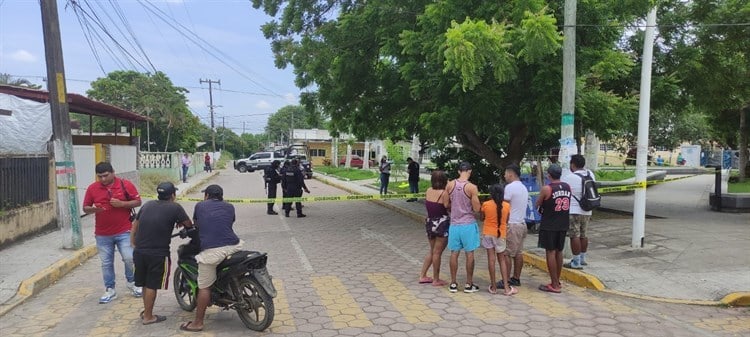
149,181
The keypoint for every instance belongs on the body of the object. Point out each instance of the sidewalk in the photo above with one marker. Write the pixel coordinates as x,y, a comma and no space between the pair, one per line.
31,265
691,254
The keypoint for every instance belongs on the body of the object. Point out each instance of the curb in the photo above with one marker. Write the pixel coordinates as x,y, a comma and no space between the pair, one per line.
576,277
200,182
47,276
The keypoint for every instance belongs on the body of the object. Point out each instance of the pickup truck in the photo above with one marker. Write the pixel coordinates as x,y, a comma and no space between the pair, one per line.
258,161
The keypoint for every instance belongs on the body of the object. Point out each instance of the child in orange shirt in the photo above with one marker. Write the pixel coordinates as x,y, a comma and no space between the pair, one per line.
493,236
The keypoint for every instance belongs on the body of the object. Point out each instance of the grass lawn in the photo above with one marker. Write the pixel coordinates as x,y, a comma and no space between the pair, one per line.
347,173
402,186
613,175
739,187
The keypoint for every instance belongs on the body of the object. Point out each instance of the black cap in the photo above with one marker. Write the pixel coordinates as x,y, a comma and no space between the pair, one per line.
166,189
214,190
555,171
464,166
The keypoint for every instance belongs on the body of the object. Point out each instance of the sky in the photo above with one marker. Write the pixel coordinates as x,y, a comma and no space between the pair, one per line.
223,42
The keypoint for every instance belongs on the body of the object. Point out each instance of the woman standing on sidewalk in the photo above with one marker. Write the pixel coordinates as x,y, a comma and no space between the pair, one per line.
437,203
385,175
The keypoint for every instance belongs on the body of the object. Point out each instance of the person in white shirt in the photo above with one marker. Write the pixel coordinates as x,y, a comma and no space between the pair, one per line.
518,197
579,219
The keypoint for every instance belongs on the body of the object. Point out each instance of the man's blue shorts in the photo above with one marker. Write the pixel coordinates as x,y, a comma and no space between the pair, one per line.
463,236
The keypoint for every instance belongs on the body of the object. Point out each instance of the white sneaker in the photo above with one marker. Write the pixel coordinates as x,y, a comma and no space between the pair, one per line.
109,295
137,291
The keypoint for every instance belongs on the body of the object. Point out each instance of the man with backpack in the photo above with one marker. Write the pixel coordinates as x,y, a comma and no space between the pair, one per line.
584,199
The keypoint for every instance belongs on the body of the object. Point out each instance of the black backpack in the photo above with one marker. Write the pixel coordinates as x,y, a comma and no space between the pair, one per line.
590,197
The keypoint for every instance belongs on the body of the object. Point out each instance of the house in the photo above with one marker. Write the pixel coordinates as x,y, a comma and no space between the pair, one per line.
27,166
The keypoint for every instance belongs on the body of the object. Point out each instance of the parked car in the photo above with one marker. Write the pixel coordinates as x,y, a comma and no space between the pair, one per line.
306,164
356,161
258,161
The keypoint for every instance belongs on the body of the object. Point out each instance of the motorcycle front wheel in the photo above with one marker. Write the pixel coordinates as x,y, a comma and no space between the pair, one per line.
182,291
255,306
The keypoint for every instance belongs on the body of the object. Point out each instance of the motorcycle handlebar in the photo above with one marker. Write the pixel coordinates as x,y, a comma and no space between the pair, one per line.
184,232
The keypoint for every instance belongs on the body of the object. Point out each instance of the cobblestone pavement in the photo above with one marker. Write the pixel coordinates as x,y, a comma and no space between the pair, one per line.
351,269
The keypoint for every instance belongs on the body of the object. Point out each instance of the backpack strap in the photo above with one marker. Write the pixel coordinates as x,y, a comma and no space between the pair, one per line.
124,190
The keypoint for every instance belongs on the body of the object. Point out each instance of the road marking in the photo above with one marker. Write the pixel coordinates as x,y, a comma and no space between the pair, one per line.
284,223
340,305
283,321
729,325
120,316
411,307
383,239
302,256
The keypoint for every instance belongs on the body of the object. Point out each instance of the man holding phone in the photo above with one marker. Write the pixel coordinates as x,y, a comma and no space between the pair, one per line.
110,199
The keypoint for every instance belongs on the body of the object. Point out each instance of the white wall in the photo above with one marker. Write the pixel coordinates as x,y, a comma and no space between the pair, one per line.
85,159
123,158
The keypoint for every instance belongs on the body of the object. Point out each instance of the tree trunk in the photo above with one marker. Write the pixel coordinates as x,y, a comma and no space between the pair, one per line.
743,143
169,131
472,142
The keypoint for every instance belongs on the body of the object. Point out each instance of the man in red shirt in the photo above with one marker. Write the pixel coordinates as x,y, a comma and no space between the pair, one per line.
110,199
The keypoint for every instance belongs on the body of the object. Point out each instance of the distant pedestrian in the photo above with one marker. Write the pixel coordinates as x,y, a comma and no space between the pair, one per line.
186,161
579,219
463,233
436,202
413,170
272,178
111,200
207,163
518,197
554,205
293,182
495,214
385,175
150,238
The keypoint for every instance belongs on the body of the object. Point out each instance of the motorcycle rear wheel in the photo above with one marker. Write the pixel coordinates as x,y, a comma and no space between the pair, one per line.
185,297
255,307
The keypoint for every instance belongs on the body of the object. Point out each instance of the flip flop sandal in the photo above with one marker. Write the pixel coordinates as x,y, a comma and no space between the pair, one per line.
548,288
425,280
439,283
158,319
185,327
513,291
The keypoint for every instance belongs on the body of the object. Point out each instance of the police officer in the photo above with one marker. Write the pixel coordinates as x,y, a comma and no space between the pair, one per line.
272,178
293,182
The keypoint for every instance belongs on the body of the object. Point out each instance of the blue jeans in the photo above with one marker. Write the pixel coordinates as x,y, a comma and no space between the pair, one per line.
384,178
413,186
184,173
106,246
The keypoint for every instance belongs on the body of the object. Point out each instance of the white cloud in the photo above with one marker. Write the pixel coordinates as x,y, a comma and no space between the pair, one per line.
291,98
263,105
23,56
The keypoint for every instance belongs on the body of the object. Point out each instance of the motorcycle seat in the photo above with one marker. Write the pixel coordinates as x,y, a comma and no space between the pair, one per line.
237,257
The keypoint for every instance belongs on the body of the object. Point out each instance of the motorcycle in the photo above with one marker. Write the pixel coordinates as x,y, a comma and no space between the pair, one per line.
242,283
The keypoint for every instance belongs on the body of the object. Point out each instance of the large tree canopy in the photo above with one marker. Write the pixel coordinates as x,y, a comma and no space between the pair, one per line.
280,123
173,127
486,74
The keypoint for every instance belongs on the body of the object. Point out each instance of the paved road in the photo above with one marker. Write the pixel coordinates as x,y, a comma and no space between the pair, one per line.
350,269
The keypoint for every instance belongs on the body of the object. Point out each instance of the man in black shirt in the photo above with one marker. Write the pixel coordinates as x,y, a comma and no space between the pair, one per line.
293,182
272,179
150,238
554,204
413,170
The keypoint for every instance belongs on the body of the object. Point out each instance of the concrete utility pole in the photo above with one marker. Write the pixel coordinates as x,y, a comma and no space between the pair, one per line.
68,217
567,140
639,205
211,108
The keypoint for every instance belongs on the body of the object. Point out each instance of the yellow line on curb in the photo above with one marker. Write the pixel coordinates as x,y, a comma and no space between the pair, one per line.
411,307
283,321
340,305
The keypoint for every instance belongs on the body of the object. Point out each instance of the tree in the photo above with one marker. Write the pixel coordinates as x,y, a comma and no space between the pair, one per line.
173,127
279,123
19,82
485,74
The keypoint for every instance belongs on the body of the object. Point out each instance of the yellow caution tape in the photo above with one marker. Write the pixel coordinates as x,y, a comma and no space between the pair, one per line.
364,197
66,188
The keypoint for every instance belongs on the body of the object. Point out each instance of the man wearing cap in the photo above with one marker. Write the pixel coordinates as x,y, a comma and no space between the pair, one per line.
272,178
214,218
150,238
110,199
463,233
554,204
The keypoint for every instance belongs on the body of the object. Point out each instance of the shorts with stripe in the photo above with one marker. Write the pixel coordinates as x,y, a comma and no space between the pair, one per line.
151,271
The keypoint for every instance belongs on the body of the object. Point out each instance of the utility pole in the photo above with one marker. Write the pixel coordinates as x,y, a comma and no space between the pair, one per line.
243,128
223,132
211,108
68,217
567,140
641,158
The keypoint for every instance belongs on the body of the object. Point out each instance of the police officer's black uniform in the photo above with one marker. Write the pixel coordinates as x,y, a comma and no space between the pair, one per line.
293,182
272,178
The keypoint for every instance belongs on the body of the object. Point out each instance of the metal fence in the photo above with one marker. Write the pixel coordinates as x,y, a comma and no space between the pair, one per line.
23,181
